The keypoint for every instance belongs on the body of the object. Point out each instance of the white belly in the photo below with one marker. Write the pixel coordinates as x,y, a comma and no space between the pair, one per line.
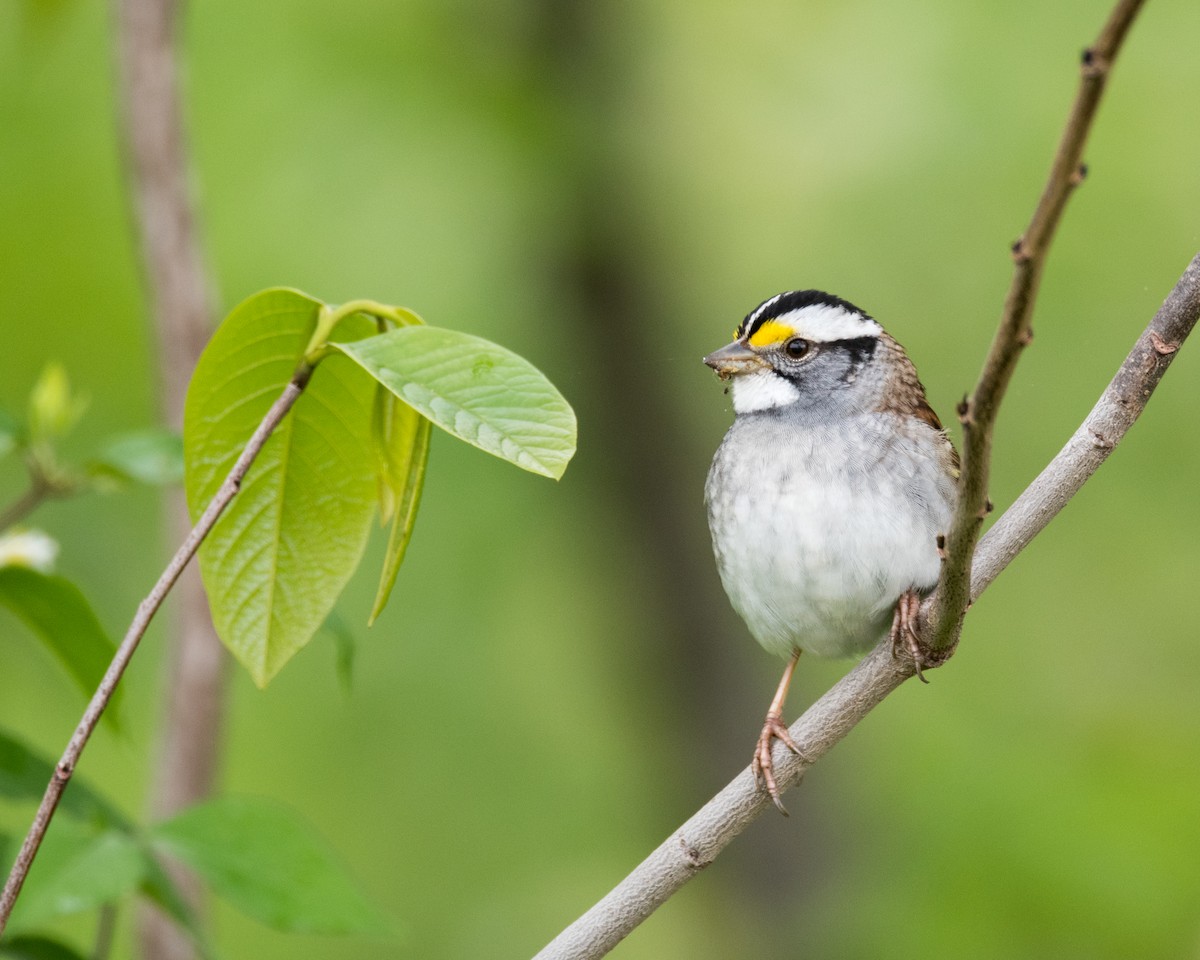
821,536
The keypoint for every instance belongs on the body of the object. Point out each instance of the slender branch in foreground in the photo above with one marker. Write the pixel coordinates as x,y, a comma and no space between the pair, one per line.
698,842
145,613
942,619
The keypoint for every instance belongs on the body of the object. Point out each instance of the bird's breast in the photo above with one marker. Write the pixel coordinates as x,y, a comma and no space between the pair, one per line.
818,531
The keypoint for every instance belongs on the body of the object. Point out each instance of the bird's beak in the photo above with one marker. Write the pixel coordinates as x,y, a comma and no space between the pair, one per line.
734,358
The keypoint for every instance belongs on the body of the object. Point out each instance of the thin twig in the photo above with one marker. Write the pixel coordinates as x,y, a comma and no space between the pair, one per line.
942,614
24,505
145,612
698,842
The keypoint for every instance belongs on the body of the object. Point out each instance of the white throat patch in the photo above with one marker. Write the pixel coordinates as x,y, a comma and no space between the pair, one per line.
761,390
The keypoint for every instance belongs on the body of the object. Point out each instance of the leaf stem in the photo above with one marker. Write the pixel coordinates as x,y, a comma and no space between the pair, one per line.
330,317
137,629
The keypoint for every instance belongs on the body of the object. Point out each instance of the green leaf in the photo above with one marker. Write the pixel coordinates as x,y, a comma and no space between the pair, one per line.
406,453
277,560
24,775
152,457
37,948
73,874
475,390
59,614
266,862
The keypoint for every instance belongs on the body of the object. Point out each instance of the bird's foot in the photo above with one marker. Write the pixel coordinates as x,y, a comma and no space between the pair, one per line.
904,636
762,766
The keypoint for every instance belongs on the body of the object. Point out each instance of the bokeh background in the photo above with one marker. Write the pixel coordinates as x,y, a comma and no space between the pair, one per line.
607,188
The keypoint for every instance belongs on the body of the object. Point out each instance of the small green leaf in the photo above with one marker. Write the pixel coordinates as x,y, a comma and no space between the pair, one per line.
152,457
266,862
475,390
24,775
71,875
410,446
59,614
37,948
278,558
53,409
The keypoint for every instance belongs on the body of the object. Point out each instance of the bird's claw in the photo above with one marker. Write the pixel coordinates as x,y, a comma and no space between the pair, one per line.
762,766
904,636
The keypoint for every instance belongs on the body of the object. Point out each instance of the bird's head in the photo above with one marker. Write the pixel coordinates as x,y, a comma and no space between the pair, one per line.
805,345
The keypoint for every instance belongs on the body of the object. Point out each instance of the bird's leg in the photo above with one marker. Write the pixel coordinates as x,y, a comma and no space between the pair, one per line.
904,630
774,728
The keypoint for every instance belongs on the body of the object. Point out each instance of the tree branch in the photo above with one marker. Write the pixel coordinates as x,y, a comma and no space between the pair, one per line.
698,842
145,613
942,614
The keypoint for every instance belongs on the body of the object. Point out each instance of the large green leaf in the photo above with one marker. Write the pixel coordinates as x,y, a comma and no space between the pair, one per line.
267,863
60,616
475,390
277,560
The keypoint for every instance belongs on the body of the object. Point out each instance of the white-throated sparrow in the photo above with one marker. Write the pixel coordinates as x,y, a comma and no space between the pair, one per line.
829,493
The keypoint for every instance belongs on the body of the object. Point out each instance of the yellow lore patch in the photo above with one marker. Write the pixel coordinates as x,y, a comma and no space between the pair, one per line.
772,331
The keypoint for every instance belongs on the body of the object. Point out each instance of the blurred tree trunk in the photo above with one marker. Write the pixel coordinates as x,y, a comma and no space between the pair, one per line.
178,296
625,326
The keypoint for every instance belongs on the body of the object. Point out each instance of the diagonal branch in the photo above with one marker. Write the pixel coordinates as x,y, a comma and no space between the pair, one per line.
698,842
945,609
133,636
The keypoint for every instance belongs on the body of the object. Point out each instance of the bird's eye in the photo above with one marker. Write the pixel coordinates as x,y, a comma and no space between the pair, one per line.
796,348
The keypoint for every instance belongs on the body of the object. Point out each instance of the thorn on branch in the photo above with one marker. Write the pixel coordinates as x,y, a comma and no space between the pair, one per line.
987,508
1020,251
964,411
1025,336
1161,346
1079,175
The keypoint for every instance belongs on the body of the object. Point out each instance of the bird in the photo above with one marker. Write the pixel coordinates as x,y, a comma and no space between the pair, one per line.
831,494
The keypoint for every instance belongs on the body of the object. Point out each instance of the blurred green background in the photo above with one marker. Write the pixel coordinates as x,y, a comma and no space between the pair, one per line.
606,189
